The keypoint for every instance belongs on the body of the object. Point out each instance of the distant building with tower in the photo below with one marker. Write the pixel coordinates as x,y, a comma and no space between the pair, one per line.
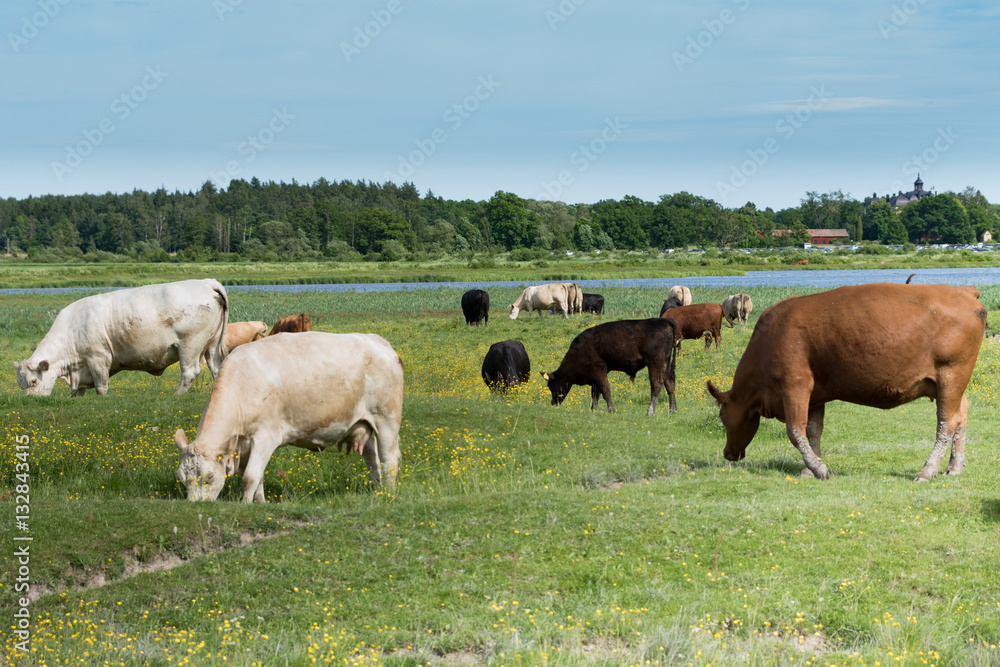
903,198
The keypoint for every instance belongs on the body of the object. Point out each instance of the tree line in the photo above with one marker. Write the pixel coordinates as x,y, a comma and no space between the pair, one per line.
351,220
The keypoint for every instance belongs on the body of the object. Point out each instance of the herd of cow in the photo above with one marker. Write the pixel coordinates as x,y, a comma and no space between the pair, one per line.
627,346
879,345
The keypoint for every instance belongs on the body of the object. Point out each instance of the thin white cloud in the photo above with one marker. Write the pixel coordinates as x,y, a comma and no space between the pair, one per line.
980,12
836,105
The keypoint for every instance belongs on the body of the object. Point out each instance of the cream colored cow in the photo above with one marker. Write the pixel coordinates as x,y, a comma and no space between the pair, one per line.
539,298
140,329
310,390
682,293
738,307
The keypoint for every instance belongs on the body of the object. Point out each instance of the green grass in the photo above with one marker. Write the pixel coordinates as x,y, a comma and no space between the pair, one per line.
15,273
520,533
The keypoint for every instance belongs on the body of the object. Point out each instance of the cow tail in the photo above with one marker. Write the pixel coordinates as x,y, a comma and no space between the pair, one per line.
672,353
728,320
218,339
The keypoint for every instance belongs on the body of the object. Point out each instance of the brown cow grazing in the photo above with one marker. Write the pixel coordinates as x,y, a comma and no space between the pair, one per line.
292,324
701,319
738,307
627,346
880,345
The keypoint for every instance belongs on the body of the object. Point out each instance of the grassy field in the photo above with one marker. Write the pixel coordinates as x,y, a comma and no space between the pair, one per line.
18,273
520,533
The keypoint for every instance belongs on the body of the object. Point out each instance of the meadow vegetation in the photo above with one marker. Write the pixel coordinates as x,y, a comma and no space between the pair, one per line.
520,264
520,533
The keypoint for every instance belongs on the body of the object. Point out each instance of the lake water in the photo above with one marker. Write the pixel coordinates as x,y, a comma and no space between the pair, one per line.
815,278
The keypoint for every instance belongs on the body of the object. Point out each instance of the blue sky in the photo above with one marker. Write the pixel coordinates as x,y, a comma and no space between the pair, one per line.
575,100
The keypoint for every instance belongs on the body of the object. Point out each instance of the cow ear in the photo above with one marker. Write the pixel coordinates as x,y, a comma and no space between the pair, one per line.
42,366
714,391
181,440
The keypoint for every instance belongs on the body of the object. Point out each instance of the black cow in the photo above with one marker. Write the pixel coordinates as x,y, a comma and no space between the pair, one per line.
476,306
669,304
593,303
627,346
506,365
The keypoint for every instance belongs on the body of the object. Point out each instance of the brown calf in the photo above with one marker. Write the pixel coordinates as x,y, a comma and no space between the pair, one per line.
697,320
292,324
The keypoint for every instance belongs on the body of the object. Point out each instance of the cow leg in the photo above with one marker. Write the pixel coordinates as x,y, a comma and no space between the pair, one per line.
656,379
386,441
253,474
212,359
367,441
100,378
957,461
950,431
595,396
380,450
189,368
654,396
797,426
814,431
606,391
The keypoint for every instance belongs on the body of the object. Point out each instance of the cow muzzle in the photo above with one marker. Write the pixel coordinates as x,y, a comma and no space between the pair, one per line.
734,456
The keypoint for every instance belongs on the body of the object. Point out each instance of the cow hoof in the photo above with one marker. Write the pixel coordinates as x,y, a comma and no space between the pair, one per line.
921,478
824,472
953,471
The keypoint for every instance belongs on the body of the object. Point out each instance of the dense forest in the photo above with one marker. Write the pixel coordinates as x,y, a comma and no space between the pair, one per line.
386,222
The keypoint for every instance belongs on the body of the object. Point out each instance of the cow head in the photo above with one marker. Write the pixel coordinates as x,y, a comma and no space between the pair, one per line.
557,386
202,475
35,379
741,424
514,310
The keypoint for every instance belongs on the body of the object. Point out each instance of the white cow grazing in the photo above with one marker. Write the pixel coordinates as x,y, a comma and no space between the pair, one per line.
540,298
682,293
311,390
140,329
